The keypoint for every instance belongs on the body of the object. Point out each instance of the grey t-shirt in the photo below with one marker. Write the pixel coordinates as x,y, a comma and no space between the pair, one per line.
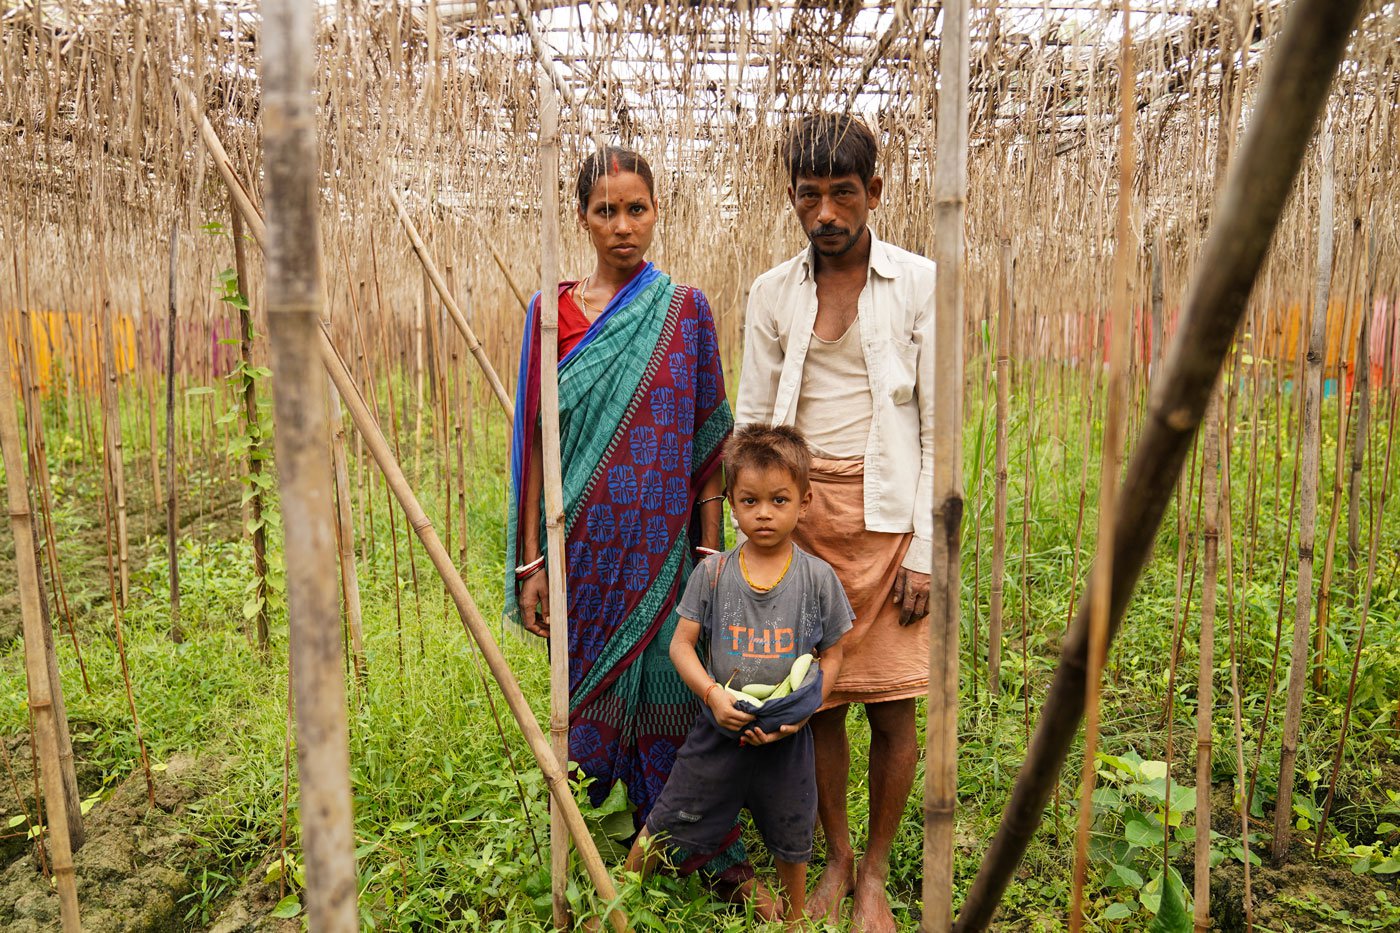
756,636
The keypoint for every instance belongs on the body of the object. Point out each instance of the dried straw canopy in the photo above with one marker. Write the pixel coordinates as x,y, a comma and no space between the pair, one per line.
98,154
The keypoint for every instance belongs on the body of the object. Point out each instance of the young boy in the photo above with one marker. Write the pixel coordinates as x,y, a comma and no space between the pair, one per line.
756,608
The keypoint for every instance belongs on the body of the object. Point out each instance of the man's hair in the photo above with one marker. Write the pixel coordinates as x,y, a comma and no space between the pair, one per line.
610,160
828,145
763,447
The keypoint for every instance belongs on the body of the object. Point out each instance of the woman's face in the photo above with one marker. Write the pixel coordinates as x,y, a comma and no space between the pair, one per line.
620,218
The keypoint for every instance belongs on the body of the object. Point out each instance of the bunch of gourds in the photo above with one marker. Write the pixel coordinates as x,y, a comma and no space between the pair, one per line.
758,694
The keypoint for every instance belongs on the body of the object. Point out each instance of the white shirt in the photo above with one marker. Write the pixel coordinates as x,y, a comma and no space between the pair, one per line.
895,315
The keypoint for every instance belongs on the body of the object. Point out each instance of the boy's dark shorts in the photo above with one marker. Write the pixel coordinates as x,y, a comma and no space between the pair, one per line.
715,777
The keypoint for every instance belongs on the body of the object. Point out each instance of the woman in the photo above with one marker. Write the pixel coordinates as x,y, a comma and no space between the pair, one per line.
643,414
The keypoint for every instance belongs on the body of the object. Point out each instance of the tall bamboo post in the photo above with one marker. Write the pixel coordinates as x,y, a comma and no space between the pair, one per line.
997,586
1307,509
1099,591
943,370
1363,409
113,440
1158,298
36,666
294,298
1294,87
1210,547
172,527
553,482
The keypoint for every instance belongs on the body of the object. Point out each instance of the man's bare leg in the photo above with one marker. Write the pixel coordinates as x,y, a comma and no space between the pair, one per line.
792,878
833,753
894,755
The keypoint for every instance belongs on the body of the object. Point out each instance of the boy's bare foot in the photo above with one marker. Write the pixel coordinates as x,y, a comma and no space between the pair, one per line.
838,882
870,910
766,904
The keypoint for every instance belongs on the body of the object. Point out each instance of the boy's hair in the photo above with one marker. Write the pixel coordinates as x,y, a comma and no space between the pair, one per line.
828,145
762,447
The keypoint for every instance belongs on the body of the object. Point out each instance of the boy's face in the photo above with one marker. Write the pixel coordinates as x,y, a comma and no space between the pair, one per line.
767,504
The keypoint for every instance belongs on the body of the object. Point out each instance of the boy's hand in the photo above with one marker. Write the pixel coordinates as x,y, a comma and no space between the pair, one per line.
726,714
757,736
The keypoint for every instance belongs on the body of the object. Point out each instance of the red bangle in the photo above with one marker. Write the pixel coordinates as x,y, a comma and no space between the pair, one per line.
705,697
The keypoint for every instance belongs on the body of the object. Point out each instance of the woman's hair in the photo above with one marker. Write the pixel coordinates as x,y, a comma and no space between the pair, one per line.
610,160
825,145
764,447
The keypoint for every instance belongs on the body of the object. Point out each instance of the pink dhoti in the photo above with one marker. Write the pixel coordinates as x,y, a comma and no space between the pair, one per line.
883,659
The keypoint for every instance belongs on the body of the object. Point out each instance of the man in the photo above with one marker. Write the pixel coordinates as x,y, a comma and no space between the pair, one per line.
832,345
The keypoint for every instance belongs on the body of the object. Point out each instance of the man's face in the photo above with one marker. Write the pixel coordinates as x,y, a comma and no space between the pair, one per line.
833,211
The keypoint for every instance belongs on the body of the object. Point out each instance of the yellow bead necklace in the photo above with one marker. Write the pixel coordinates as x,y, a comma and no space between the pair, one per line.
744,569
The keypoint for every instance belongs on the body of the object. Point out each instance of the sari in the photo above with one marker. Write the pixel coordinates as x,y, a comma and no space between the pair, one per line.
642,416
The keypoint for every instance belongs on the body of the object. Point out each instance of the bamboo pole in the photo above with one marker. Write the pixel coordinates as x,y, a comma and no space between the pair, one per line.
1115,416
36,665
1363,409
1236,701
294,298
172,525
553,483
1210,547
113,440
1292,92
943,371
1307,512
458,318
997,586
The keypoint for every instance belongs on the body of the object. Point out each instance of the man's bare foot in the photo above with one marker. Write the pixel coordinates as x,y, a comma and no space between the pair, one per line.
870,909
837,882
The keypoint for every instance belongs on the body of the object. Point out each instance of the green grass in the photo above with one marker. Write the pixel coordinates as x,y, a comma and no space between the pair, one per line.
443,840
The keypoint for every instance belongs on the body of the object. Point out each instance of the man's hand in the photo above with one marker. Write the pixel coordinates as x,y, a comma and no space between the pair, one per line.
534,604
757,736
726,714
911,595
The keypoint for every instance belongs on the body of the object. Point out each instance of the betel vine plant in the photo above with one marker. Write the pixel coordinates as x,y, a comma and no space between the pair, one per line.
248,423
1132,819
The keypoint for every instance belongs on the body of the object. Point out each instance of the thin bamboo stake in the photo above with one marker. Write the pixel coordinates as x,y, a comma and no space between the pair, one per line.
1307,513
1115,414
294,299
945,374
36,665
1296,81
1363,408
172,524
553,484
1235,698
458,318
113,440
997,585
1210,547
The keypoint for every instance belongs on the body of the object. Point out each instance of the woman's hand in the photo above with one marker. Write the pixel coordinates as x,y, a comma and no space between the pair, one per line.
534,604
726,713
